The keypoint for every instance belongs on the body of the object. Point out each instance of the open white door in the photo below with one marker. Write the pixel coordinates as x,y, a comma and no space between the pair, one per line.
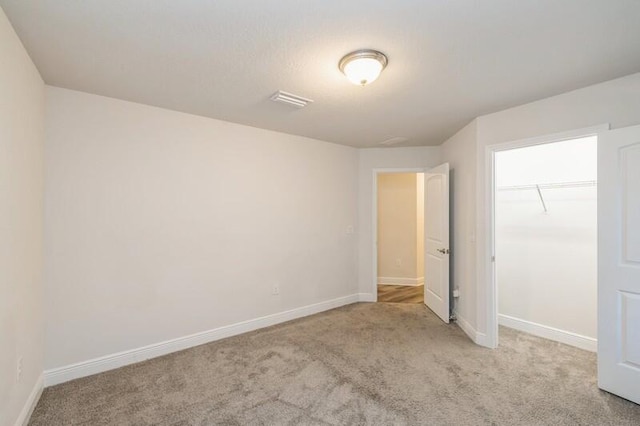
436,240
619,262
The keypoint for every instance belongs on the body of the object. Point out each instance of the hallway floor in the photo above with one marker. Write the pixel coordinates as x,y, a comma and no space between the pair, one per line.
401,293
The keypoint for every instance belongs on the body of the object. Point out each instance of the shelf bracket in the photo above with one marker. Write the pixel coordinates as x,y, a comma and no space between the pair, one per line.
544,205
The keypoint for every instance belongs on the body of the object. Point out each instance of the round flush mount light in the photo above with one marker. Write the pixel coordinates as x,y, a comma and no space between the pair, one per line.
363,66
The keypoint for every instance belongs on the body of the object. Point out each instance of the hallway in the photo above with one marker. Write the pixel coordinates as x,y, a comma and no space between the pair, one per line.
400,293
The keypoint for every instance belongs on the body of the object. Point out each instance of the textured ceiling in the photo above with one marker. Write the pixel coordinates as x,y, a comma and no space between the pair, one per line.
450,61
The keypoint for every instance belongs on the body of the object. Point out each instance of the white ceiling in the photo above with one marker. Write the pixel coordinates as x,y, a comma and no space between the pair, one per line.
449,61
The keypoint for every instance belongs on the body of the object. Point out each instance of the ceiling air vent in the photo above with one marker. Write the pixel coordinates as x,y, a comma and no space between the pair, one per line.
394,141
290,99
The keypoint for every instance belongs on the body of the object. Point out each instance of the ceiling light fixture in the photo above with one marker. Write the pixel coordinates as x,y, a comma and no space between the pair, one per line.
363,66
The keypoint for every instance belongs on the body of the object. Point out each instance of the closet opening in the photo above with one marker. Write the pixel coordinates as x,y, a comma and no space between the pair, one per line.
545,240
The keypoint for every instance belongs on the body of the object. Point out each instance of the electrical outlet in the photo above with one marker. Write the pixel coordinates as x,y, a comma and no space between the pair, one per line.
349,229
275,290
398,262
19,370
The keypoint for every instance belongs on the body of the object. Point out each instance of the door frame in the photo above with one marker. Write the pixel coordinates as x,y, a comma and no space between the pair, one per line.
490,305
374,222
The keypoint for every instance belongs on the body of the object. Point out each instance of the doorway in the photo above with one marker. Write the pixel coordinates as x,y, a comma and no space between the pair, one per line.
435,236
545,240
400,237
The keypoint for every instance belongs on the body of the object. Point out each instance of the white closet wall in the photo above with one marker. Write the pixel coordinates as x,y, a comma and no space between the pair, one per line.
546,261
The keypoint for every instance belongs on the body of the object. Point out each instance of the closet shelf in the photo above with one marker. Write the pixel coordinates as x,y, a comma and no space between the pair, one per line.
559,185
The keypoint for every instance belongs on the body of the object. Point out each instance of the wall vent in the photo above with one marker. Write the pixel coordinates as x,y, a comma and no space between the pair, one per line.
290,99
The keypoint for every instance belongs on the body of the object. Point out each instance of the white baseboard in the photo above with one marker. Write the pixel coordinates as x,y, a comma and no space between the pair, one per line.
551,333
367,297
483,340
466,327
120,359
477,337
401,281
30,404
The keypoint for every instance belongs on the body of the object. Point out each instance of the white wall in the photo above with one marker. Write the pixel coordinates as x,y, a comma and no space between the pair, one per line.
616,102
160,224
398,228
460,152
546,262
368,160
21,195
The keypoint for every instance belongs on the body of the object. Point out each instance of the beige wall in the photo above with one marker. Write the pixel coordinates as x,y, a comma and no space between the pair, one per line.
161,224
400,259
420,225
21,195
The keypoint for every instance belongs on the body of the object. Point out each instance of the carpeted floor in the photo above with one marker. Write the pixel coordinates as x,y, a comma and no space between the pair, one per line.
382,364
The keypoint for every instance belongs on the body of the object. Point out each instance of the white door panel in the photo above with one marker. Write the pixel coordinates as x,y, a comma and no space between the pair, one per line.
436,247
434,282
619,262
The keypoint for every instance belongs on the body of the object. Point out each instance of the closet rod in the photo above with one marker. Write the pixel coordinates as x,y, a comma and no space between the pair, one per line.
578,184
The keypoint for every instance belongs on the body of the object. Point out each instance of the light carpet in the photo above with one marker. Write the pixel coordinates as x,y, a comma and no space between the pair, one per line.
363,364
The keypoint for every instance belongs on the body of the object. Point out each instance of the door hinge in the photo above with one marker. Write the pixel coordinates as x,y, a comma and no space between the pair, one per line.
444,251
